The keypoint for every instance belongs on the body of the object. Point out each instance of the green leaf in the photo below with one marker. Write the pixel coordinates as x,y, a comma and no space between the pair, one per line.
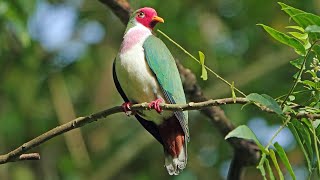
261,167
317,85
314,85
245,132
300,36
295,134
295,76
313,29
292,98
306,44
313,73
288,109
304,134
276,165
270,172
309,83
284,159
306,123
318,130
316,49
302,18
303,37
265,100
204,73
296,28
273,104
297,62
316,123
315,142
285,39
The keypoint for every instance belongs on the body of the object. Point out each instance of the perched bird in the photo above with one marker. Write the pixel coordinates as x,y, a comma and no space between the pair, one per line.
145,71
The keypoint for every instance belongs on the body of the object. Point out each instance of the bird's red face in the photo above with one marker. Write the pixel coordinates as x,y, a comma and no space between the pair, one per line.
148,17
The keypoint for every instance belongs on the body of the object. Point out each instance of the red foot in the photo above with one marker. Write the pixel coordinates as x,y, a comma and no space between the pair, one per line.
126,108
156,105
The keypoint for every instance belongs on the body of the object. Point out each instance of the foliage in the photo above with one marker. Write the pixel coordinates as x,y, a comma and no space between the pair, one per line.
304,39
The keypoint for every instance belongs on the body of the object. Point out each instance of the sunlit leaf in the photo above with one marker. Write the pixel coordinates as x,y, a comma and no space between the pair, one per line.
276,165
288,109
261,166
244,132
316,123
265,100
309,83
292,97
284,159
296,28
301,36
270,172
302,18
204,73
285,39
313,28
306,44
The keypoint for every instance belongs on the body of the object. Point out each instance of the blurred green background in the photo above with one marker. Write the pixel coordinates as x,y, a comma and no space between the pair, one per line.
55,65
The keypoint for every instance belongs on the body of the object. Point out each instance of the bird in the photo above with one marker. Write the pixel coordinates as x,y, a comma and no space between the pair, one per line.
144,70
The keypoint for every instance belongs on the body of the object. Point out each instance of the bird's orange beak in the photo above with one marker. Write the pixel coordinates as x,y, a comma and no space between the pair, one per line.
157,19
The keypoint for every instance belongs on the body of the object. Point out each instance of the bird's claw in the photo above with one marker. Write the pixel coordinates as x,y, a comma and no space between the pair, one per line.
126,108
156,105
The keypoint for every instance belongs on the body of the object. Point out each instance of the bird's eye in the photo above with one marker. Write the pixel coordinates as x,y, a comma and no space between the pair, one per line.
141,14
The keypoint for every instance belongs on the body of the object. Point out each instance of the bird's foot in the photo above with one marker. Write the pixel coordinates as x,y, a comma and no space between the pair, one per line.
156,105
126,108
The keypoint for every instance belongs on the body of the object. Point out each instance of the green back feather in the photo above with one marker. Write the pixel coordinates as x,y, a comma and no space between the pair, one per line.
162,64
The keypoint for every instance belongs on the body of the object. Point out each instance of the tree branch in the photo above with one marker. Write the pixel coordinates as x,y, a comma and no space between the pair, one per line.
18,153
120,8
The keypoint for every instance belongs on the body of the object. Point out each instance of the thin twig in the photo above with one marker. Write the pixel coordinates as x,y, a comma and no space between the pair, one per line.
29,156
299,74
192,57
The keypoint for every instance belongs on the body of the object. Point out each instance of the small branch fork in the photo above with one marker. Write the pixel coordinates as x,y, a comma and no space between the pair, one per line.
18,154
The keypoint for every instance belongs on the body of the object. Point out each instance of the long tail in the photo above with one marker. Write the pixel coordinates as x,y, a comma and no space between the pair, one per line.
174,144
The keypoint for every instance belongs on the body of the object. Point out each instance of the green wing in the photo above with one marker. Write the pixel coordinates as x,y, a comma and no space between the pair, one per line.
162,64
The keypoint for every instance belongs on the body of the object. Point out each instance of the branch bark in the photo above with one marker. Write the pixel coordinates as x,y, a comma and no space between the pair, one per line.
18,153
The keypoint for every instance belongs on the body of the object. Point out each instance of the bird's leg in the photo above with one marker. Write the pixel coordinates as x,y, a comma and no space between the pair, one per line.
156,105
126,108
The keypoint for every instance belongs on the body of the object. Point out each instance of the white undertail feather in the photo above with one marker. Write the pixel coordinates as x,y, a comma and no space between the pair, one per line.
176,165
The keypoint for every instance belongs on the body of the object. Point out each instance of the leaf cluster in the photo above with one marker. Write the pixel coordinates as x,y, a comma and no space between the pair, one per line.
303,38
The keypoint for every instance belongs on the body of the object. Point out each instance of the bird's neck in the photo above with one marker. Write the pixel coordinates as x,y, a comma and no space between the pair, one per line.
134,35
